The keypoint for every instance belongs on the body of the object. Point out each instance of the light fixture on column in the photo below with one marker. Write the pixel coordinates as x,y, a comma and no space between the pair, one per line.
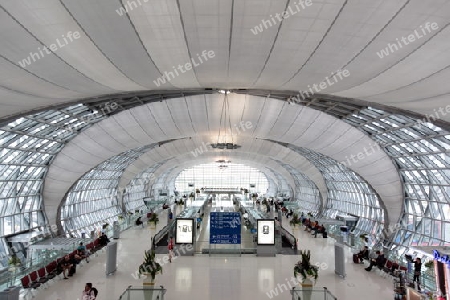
223,141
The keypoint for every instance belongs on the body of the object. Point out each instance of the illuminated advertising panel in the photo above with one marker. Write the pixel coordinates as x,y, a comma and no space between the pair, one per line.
184,233
266,231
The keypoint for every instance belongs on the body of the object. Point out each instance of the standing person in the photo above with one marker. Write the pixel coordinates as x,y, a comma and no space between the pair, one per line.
170,247
417,272
88,292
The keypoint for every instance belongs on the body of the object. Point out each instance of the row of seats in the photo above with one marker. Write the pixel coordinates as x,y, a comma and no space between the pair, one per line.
46,275
388,269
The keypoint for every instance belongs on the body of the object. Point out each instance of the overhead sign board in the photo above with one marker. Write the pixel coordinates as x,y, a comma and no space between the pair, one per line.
225,228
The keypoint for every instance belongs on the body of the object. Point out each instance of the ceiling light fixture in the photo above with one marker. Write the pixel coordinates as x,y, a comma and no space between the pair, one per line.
223,161
223,142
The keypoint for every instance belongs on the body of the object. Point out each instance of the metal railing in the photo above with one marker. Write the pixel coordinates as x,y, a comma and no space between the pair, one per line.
312,294
143,293
168,229
42,257
289,236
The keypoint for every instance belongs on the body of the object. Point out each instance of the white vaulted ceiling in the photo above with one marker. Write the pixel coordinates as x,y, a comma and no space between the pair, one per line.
117,54
199,117
120,53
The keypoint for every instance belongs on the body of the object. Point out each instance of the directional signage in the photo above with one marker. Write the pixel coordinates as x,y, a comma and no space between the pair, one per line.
225,228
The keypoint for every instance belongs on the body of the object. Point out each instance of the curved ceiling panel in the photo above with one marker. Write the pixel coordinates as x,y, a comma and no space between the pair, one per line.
49,23
124,47
141,69
161,29
161,121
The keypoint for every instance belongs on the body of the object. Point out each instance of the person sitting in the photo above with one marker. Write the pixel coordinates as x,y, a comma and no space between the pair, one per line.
103,239
379,262
307,221
303,218
290,213
310,225
363,254
77,258
83,252
319,229
66,265
139,222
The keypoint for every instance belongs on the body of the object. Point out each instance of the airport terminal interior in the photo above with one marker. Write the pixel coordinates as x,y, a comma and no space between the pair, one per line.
260,145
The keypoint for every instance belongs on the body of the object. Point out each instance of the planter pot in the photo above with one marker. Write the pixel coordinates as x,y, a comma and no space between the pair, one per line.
295,226
307,286
148,281
12,269
152,225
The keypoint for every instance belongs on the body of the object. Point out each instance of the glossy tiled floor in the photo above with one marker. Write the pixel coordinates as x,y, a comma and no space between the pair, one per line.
203,277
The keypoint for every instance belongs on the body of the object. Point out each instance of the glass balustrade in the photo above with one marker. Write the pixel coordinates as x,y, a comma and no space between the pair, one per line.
143,293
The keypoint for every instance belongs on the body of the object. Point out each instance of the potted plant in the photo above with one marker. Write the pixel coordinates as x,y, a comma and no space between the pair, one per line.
149,268
153,220
105,225
307,271
181,202
296,221
14,262
430,266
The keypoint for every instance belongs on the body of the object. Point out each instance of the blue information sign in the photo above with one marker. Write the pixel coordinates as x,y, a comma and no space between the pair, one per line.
225,228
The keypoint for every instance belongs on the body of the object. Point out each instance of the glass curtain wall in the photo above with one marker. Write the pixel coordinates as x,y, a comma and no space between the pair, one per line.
213,176
421,153
94,199
139,188
307,194
28,145
348,193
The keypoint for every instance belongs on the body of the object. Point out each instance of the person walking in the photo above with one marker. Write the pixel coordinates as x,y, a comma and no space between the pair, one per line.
170,248
89,293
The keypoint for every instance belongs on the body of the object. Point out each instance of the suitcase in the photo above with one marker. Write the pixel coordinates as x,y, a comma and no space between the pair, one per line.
355,258
324,235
